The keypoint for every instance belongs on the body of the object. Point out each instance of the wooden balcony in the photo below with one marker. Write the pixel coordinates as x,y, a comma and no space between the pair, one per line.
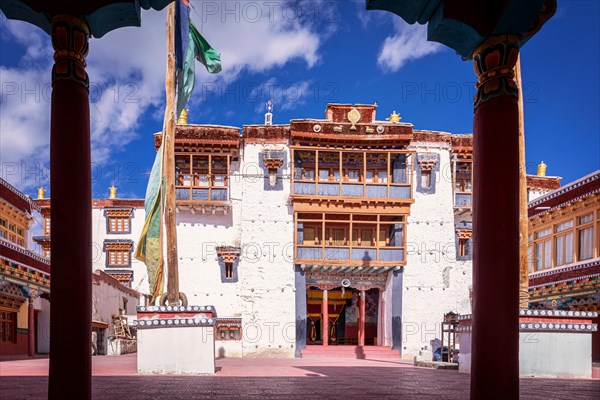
352,174
350,240
350,256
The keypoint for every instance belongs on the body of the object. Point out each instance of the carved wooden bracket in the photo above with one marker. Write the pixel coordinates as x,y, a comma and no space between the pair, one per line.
228,253
427,164
118,212
464,233
273,163
118,246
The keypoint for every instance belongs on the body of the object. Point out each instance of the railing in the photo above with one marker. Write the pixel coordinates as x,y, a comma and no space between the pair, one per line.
186,193
462,200
347,253
375,190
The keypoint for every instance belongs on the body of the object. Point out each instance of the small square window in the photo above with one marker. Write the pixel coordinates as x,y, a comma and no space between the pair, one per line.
229,270
118,258
118,224
272,177
426,179
463,247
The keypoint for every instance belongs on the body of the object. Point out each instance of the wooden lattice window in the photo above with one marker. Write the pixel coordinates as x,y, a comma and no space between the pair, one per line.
229,333
118,220
47,226
118,254
118,225
463,247
118,258
12,232
585,237
8,327
464,244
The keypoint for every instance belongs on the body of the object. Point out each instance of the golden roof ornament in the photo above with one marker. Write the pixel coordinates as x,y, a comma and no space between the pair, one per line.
394,118
41,193
182,120
113,192
541,169
354,117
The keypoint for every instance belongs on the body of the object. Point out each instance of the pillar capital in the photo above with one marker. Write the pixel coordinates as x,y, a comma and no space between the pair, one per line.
494,61
31,293
70,37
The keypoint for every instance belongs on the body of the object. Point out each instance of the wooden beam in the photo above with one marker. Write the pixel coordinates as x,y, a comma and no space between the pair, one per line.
169,163
523,203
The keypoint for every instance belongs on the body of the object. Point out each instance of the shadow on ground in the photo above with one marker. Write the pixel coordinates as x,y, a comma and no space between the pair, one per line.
319,382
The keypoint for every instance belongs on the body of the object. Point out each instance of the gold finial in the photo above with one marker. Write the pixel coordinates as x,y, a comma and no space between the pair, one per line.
113,192
394,118
182,120
541,171
41,193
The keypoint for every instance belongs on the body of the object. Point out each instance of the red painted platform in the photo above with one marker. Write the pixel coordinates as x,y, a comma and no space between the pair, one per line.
351,352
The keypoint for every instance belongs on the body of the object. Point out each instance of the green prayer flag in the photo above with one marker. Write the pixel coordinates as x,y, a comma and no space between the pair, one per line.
198,49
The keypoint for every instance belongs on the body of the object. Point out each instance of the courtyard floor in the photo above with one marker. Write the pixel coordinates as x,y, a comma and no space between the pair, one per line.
264,379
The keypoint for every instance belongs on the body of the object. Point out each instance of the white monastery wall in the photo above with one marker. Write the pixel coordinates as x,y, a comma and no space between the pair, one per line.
43,328
266,267
200,271
434,283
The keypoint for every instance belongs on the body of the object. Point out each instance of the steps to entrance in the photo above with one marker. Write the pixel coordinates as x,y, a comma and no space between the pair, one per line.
355,352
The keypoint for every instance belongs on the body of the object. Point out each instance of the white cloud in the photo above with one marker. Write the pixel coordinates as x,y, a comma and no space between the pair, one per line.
285,96
24,125
409,42
127,70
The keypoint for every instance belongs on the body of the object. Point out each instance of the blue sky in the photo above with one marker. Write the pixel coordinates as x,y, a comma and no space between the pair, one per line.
303,54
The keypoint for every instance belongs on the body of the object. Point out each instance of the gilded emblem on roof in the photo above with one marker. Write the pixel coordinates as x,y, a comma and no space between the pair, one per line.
354,117
394,118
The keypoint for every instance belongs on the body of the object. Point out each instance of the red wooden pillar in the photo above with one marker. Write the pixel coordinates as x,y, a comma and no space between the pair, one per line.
381,341
361,318
30,329
495,351
325,322
71,200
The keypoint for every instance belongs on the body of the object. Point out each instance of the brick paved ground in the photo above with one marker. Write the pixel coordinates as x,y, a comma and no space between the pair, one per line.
265,379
